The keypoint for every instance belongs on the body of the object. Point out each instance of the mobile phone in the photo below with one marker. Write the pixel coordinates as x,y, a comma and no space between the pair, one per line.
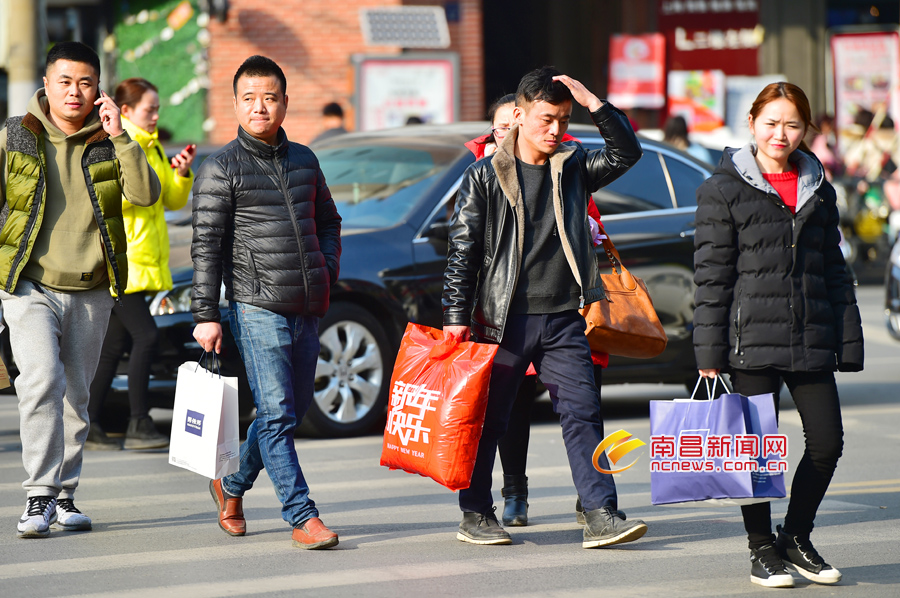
190,148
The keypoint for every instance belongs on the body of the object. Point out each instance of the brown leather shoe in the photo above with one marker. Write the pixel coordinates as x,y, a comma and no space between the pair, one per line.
231,510
313,535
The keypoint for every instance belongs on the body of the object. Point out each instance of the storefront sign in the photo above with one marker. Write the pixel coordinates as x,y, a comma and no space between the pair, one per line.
637,71
698,96
865,74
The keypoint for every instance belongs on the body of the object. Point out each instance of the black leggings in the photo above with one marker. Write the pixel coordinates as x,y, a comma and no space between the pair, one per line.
816,397
129,324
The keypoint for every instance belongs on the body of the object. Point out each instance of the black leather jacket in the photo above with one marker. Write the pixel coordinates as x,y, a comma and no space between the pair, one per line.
486,233
265,224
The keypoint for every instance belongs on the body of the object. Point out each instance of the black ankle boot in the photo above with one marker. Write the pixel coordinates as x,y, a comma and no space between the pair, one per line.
515,505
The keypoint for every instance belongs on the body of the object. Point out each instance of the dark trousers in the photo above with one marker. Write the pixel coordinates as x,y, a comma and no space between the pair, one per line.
513,447
130,324
556,344
816,397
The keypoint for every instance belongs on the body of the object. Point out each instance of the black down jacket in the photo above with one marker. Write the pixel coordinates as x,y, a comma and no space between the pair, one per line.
265,224
772,287
487,230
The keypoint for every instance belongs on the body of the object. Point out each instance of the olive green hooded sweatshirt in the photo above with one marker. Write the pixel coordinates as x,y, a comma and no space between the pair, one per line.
68,253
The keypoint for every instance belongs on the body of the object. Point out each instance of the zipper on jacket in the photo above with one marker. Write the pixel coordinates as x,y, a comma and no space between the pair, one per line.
737,328
290,209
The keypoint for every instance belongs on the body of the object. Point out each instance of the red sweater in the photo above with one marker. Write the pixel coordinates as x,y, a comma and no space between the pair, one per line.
785,184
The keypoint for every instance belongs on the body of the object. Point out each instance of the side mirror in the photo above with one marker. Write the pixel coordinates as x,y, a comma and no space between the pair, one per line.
438,230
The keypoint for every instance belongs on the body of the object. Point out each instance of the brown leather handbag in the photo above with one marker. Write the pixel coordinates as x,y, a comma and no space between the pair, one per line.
624,323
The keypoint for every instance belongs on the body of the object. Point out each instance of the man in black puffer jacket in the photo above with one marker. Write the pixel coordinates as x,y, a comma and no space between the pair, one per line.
265,223
520,263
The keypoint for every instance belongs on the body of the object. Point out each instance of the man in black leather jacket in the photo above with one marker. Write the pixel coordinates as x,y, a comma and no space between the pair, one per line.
266,225
520,264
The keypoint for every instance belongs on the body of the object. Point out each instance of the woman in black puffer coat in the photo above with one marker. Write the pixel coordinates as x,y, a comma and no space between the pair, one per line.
774,303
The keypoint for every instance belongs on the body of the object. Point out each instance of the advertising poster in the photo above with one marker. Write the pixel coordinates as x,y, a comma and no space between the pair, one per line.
740,92
865,74
637,71
390,90
698,96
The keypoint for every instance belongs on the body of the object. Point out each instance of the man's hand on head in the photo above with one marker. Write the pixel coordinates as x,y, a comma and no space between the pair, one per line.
580,93
209,336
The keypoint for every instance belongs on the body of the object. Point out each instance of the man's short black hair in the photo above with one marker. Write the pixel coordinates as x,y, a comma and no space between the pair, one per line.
539,85
260,66
333,109
74,52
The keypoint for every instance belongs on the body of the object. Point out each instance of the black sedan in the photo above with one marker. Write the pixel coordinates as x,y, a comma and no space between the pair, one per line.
395,190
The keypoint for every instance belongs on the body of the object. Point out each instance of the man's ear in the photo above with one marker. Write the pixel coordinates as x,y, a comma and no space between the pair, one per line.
519,114
234,103
285,101
46,83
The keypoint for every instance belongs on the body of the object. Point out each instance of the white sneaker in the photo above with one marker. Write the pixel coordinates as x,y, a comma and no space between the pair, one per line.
70,518
39,515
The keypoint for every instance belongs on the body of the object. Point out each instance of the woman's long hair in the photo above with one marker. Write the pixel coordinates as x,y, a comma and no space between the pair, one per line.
792,93
130,91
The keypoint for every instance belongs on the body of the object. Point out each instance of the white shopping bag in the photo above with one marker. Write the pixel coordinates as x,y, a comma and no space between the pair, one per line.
205,422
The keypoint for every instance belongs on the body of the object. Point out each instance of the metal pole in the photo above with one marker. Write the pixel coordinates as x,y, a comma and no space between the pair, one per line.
22,68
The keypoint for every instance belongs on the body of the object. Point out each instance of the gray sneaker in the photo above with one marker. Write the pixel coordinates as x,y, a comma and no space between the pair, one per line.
69,518
603,527
482,528
39,515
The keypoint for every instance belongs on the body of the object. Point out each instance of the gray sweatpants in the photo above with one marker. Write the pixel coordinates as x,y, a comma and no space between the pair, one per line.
56,339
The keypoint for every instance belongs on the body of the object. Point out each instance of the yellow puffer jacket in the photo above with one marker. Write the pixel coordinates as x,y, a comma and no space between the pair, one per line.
148,237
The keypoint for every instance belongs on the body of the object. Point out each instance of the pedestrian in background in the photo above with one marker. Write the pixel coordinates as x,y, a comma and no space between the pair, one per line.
504,228
67,165
131,327
513,446
675,133
774,303
332,122
266,226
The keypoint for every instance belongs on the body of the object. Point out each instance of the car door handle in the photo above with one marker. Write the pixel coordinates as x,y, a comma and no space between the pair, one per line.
687,233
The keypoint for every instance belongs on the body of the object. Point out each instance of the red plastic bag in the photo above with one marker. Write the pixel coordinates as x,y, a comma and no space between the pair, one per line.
439,392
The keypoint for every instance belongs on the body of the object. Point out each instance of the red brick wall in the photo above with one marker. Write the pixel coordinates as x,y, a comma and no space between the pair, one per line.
313,40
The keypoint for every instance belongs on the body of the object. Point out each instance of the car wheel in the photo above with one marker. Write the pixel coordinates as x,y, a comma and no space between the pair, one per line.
352,375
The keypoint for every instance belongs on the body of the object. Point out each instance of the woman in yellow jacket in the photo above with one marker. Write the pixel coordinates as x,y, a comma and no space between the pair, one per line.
148,273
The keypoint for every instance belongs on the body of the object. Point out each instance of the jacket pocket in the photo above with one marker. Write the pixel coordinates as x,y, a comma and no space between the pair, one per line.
255,286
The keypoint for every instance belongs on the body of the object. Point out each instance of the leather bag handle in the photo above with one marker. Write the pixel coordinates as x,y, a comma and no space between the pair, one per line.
628,281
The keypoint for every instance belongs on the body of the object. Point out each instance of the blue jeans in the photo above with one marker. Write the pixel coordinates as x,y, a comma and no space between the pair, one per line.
280,354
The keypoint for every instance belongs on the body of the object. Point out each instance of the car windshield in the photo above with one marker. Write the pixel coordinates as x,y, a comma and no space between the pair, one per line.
377,183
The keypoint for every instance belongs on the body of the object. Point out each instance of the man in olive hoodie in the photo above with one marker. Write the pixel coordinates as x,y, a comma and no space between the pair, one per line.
67,164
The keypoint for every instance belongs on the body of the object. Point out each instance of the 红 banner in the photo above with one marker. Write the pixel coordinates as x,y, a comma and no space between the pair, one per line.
637,70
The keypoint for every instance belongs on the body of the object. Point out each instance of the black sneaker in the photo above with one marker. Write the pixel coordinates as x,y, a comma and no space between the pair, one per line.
39,515
767,569
482,528
142,434
97,440
579,512
603,527
799,554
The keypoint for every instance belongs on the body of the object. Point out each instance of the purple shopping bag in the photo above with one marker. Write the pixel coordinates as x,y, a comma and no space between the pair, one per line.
726,450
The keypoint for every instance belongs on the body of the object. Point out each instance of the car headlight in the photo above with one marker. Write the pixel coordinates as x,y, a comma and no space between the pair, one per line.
174,301
178,300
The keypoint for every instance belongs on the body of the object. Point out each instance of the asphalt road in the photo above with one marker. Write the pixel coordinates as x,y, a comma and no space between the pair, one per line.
155,532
